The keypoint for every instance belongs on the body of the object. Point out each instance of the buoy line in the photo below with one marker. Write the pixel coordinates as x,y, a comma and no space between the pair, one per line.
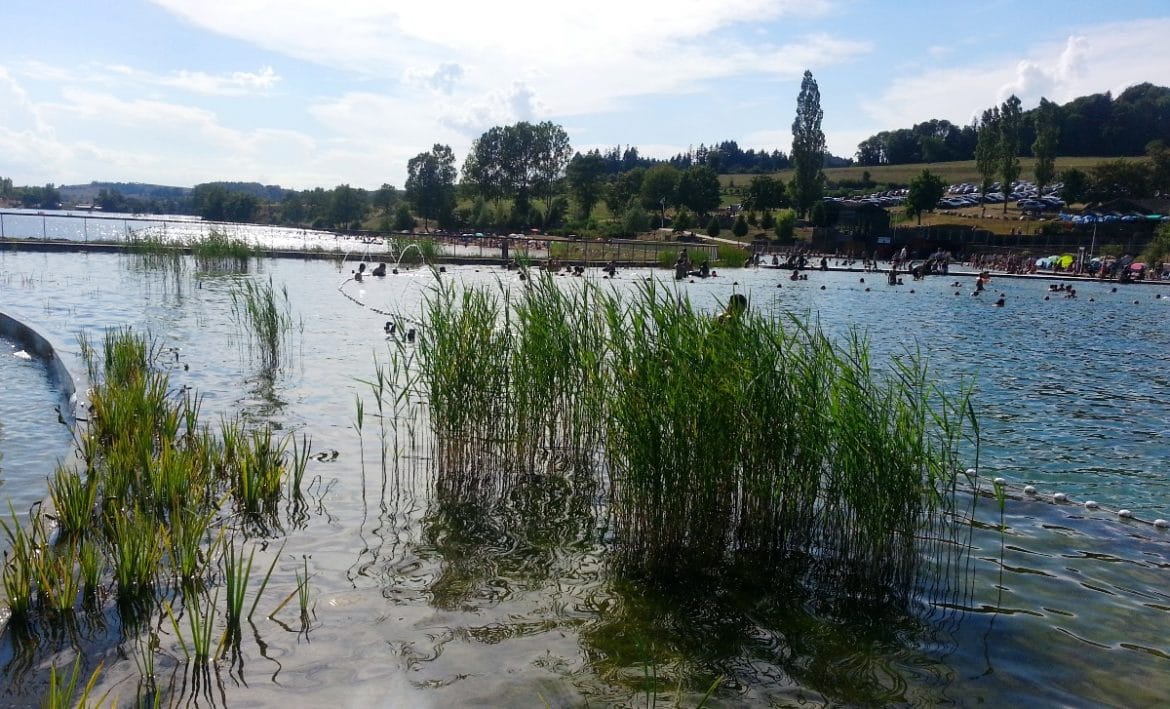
1029,492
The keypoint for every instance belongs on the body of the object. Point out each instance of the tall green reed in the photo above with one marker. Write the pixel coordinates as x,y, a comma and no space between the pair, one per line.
745,439
266,316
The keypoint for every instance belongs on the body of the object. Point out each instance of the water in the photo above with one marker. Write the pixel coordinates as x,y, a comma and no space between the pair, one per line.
418,603
32,440
180,229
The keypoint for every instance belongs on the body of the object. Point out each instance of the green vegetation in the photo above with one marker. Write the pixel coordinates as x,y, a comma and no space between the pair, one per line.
142,521
265,316
220,252
808,148
792,452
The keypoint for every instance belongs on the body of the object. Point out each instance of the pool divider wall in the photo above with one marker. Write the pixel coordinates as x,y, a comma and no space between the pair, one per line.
35,344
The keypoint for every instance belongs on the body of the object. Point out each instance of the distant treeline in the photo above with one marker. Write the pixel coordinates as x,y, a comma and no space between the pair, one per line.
1096,125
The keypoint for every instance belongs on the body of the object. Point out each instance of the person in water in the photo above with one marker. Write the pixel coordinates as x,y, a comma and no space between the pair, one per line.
736,307
379,270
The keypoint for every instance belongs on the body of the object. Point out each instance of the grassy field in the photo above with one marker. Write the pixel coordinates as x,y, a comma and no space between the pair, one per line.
952,172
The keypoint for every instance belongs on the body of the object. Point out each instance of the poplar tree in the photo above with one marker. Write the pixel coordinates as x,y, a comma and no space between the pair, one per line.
1011,119
808,147
1044,147
987,153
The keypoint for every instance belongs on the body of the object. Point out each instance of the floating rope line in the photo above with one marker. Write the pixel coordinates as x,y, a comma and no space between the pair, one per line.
1029,492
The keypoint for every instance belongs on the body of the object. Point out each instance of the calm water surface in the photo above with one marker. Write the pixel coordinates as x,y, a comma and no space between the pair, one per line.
417,603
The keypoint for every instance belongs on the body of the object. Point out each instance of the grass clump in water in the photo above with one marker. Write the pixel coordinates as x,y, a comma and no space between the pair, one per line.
792,452
266,316
142,525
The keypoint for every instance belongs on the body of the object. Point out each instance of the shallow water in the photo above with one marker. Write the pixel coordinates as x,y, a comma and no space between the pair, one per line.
418,601
32,440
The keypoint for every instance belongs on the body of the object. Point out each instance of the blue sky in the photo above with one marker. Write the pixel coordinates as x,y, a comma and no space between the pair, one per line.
305,94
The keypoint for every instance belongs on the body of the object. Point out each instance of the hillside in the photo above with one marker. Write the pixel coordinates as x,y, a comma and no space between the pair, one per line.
900,175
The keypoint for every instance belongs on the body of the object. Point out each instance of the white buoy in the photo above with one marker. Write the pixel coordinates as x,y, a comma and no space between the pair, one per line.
1124,513
1060,497
1161,523
1091,504
1029,490
1000,481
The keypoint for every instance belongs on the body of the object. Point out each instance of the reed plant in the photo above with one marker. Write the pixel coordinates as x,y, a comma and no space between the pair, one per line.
219,251
74,500
62,688
149,506
747,439
266,317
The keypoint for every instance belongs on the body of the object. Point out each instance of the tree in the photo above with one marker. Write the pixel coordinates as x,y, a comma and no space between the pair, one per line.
1076,185
518,161
627,186
430,183
740,228
925,192
698,189
1121,178
635,220
403,221
1159,156
484,169
346,205
1047,120
385,198
550,155
987,153
659,187
785,224
764,193
1010,122
586,177
713,227
240,207
808,147
768,220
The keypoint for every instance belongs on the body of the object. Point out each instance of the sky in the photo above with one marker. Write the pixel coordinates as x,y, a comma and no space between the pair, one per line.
303,93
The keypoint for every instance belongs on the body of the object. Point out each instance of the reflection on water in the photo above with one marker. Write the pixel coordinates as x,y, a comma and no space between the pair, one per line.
426,595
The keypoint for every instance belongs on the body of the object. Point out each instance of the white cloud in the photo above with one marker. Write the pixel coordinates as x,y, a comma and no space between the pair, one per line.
577,57
1093,60
518,103
442,78
237,83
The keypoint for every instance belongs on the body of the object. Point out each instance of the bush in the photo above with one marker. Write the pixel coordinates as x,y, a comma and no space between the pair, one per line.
713,227
768,221
740,229
785,224
683,220
635,220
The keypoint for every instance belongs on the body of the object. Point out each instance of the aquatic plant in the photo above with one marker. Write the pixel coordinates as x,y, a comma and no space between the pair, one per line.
744,439
148,508
220,252
61,689
266,317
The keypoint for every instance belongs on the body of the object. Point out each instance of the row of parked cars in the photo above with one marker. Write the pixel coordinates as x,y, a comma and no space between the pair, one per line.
1024,193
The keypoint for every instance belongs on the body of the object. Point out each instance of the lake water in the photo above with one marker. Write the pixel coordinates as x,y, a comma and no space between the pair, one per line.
413,607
